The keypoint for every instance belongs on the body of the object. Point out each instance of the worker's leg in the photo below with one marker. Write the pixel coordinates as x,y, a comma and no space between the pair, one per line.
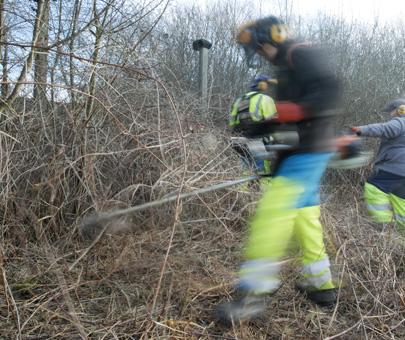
265,182
397,198
398,204
271,229
294,186
378,203
318,285
251,166
308,230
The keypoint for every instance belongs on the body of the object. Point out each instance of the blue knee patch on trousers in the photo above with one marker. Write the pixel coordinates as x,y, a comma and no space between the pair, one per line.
307,170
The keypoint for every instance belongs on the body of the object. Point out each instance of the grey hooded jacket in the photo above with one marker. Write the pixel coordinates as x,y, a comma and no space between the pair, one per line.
391,153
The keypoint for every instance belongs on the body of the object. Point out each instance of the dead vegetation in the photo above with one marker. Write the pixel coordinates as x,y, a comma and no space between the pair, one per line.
111,136
156,273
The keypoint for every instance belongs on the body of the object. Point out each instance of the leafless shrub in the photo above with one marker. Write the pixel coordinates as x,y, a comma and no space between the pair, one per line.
161,270
160,275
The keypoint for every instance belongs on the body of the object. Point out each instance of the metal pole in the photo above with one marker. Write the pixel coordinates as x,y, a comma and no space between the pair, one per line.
202,46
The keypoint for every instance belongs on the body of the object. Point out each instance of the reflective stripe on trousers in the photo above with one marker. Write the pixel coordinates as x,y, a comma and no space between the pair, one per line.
308,229
259,275
318,273
282,211
398,204
378,204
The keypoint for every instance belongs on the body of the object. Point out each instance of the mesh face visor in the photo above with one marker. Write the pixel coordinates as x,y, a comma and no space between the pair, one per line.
253,60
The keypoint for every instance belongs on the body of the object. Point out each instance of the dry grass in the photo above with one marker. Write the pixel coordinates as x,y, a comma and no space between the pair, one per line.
157,273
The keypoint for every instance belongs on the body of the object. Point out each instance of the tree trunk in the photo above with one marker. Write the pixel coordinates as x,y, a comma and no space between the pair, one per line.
41,60
28,63
3,51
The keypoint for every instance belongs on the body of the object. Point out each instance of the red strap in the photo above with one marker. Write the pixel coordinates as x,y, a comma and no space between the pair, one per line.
289,112
290,50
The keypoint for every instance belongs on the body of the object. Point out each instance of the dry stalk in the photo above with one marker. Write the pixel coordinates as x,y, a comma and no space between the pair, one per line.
10,298
66,296
128,284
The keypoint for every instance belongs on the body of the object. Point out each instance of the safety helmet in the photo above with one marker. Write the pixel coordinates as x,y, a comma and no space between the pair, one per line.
253,34
398,104
267,30
262,83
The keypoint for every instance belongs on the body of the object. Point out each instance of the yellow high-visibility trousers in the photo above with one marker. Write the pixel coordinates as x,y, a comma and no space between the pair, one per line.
379,206
276,219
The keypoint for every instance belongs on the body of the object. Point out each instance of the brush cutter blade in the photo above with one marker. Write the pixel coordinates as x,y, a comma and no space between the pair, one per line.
95,224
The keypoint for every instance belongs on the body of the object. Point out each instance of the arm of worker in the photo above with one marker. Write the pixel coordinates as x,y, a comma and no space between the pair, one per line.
391,129
233,118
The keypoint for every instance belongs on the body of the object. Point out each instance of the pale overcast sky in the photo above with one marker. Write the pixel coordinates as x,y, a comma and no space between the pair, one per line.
358,9
365,10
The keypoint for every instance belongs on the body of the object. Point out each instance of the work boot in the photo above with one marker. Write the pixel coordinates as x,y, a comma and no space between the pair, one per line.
322,297
248,306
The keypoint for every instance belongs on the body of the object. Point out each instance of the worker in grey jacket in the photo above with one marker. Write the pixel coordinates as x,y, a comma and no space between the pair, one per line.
387,184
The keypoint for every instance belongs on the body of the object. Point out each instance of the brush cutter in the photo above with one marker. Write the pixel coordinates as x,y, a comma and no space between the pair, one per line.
91,222
348,155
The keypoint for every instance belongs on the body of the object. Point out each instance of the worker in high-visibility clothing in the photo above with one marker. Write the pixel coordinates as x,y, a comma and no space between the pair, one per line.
386,186
254,106
306,91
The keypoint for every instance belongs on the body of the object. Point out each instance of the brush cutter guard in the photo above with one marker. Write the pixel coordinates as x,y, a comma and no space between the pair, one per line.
349,153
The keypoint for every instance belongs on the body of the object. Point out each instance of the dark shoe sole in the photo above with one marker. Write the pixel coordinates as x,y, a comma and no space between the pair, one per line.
324,297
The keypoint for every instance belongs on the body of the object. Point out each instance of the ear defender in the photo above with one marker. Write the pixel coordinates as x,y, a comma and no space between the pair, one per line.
401,110
244,34
278,33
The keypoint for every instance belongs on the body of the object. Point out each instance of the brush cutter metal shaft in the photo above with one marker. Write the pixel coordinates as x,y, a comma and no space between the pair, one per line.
117,213
258,150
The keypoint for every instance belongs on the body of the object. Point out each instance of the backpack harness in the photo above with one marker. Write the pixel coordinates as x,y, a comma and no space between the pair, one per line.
243,108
